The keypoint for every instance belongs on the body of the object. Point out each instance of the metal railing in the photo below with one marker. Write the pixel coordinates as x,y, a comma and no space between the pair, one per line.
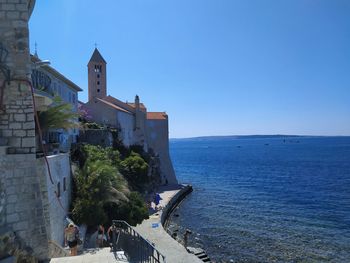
137,248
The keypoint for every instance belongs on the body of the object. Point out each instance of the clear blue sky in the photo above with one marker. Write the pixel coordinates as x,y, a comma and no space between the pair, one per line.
217,67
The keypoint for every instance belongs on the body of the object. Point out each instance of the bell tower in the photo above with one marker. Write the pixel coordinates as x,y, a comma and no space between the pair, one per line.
97,76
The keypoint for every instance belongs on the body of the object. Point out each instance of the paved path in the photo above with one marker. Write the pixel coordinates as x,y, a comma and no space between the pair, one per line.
102,255
150,229
170,248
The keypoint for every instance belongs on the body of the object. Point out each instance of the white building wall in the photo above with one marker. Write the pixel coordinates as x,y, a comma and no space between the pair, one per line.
55,209
68,95
126,126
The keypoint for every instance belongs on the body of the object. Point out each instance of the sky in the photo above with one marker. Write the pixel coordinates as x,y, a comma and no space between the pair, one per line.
217,67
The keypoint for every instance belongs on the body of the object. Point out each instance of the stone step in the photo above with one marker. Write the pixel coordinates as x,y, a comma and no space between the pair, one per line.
202,256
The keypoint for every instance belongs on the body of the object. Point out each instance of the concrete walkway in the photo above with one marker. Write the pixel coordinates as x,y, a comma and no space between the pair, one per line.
150,229
153,230
93,256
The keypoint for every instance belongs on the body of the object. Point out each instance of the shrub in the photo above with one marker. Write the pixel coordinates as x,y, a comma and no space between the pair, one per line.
95,184
133,211
102,193
135,169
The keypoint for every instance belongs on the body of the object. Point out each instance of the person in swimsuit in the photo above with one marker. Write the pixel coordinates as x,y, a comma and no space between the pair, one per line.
70,238
100,236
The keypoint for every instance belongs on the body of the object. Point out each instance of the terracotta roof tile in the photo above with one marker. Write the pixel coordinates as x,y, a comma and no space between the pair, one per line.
157,116
119,103
142,106
113,105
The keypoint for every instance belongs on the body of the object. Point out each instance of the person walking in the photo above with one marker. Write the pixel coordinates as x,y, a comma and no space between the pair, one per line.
112,236
100,237
71,235
157,199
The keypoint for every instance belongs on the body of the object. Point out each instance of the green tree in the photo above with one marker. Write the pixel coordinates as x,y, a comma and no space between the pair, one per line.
102,192
133,211
135,169
97,183
58,116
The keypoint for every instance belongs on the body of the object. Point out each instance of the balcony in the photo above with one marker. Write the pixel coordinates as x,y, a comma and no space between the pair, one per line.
43,93
42,99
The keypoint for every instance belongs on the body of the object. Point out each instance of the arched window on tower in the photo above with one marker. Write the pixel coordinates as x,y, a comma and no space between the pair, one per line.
98,68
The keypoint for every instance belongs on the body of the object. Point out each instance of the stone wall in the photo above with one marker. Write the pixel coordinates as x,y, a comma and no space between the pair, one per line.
103,138
16,116
158,140
21,205
21,199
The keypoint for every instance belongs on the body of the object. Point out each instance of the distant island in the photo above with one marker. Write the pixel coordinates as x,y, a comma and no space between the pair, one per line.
220,137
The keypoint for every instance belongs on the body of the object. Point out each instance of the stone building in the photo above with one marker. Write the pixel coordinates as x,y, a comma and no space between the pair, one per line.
135,125
34,200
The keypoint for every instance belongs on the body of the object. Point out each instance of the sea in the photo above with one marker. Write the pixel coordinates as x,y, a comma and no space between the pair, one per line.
265,198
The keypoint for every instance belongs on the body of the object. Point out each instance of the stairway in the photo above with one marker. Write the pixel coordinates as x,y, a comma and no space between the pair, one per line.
199,253
56,251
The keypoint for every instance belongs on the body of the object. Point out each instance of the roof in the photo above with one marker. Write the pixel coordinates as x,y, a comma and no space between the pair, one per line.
157,116
142,106
113,105
119,103
97,57
56,74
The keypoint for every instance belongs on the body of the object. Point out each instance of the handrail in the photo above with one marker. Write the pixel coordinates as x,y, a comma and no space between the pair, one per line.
136,247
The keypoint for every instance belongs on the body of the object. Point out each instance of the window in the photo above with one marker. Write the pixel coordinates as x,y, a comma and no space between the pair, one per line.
64,184
98,76
98,90
98,83
98,68
73,98
58,193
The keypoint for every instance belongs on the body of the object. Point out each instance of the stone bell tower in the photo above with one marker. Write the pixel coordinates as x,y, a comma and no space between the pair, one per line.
97,76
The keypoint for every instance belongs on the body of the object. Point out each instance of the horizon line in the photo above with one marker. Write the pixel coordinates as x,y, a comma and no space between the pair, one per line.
256,135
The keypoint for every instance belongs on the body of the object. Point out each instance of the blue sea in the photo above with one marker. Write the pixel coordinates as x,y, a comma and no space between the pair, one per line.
266,199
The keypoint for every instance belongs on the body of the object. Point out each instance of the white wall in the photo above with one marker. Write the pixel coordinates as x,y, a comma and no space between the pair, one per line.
68,95
126,125
55,213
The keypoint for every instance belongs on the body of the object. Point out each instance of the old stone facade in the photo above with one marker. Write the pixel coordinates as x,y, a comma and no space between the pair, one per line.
135,125
21,206
17,119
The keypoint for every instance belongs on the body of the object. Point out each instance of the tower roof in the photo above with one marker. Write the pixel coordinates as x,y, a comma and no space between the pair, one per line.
97,57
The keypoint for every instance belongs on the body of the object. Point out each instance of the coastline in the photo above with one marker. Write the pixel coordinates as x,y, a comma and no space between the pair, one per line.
153,228
175,201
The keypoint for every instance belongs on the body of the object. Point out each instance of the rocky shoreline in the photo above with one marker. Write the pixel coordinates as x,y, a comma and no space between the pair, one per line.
153,230
166,218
